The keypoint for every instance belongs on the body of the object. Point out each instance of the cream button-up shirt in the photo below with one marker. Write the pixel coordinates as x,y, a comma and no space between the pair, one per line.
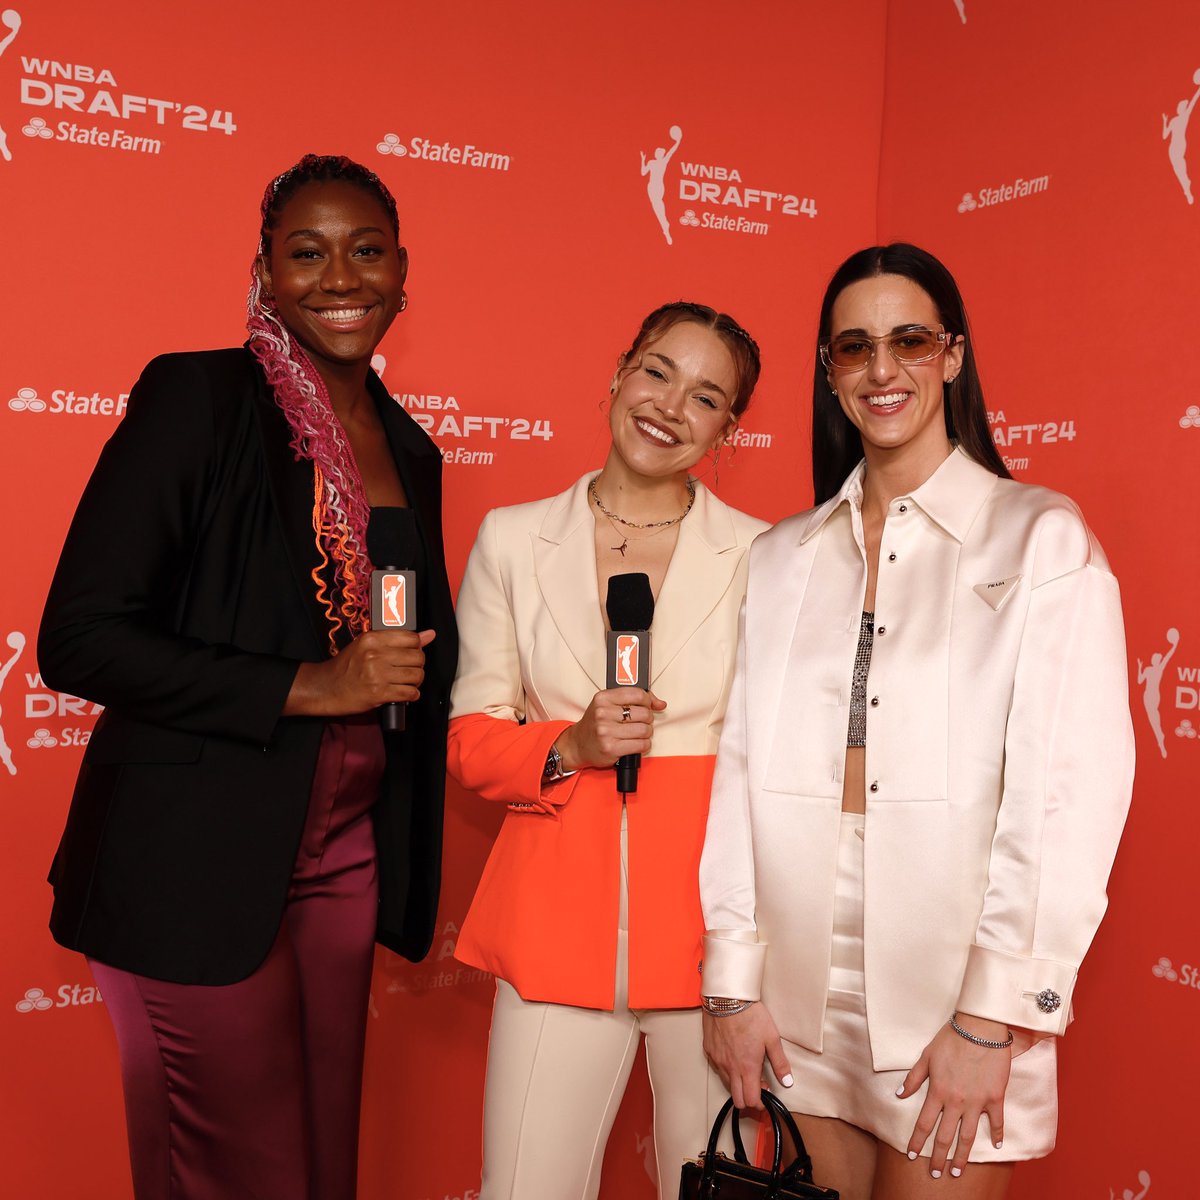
999,761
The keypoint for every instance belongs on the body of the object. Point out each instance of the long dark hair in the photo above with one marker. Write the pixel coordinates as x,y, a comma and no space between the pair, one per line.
836,443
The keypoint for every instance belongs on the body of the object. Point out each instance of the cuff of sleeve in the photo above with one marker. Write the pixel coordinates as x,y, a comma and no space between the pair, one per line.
1029,993
733,965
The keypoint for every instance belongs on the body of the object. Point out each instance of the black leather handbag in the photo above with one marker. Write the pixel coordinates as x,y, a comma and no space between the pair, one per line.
715,1176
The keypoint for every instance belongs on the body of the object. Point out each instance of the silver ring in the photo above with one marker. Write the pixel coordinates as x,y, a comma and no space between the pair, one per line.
625,714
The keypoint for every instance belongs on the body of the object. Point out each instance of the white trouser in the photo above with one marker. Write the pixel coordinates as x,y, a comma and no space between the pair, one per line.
555,1078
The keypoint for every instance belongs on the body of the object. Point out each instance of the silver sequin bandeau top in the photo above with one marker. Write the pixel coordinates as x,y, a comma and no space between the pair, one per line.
856,735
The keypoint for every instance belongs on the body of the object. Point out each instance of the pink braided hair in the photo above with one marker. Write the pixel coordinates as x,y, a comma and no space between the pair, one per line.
339,504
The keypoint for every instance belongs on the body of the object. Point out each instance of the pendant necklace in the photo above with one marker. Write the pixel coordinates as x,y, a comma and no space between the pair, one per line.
657,526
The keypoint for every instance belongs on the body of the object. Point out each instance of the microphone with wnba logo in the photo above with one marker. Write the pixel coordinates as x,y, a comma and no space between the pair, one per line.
630,608
392,539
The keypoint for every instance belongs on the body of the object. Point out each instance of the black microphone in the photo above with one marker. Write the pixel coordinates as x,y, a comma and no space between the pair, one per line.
630,608
392,542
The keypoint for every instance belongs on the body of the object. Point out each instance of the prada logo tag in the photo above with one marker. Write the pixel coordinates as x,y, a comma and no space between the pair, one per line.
998,591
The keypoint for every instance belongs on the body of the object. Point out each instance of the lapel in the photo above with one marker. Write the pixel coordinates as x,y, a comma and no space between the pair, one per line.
564,558
701,570
417,459
291,483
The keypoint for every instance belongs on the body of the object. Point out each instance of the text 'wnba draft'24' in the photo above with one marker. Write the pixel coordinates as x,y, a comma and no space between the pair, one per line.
723,200
87,104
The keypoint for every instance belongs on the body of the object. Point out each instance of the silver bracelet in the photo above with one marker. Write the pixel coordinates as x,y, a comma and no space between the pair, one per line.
978,1041
722,1006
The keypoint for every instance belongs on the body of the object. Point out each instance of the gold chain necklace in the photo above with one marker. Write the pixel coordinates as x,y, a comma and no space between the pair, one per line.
657,526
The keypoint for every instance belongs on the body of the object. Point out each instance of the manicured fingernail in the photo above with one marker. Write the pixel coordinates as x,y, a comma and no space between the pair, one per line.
787,1081
956,1171
999,1144
912,1154
900,1090
936,1174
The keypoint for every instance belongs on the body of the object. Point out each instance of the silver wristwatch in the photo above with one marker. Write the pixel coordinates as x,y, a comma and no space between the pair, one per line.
553,769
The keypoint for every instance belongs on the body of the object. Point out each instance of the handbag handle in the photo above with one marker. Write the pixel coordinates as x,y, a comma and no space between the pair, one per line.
799,1170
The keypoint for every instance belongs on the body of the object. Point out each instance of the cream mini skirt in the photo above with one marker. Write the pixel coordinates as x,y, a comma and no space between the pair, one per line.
841,1081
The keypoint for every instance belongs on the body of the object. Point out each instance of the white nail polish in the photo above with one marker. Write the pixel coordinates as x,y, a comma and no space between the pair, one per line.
999,1145
956,1171
900,1090
912,1155
936,1174
787,1081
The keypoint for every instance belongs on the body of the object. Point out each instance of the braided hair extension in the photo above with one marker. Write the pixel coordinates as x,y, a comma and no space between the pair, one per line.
339,516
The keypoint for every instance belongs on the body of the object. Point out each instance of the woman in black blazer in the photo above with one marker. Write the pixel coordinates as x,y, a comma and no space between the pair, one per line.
242,830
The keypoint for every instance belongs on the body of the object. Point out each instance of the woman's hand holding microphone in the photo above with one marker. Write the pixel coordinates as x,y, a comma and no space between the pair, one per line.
617,722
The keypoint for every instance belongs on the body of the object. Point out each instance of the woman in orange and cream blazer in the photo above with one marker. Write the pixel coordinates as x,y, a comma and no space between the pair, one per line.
588,911
924,771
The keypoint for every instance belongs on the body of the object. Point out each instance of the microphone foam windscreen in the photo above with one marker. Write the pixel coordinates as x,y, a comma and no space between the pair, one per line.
392,537
630,602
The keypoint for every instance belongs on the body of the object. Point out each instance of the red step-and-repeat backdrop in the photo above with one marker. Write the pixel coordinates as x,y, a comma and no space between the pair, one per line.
1041,149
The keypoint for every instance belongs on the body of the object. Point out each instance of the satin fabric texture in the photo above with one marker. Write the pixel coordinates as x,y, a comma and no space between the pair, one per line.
999,761
253,1088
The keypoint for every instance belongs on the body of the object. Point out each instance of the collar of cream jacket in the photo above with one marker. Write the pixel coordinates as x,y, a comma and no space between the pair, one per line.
952,496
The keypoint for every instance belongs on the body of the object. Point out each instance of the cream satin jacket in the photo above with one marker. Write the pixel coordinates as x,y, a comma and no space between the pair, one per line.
999,758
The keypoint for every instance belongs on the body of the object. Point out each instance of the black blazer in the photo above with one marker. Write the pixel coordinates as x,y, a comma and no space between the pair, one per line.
183,602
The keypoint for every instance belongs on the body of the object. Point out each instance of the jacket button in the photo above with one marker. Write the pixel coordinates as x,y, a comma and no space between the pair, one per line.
1049,1000
891,557
904,508
875,786
881,630
874,701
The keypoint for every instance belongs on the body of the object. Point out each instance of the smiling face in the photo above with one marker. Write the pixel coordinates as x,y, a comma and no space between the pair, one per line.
672,406
897,408
336,273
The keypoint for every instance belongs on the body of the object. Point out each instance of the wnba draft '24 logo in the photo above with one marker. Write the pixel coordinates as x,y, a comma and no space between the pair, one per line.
720,187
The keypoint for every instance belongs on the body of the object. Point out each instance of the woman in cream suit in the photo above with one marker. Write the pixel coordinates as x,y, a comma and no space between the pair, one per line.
924,771
588,911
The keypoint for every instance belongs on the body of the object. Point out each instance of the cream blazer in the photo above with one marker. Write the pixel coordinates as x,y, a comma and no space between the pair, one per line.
999,759
532,629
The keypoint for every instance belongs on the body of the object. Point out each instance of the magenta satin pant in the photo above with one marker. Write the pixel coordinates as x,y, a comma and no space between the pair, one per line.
251,1091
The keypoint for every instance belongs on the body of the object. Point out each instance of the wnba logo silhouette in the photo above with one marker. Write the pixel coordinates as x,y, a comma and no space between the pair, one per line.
395,601
629,647
655,171
16,643
10,20
1174,132
1150,676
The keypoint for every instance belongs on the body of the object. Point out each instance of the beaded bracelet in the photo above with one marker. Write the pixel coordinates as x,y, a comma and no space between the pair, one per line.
722,1006
978,1041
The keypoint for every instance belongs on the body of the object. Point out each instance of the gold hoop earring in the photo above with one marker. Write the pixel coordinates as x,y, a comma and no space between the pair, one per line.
403,301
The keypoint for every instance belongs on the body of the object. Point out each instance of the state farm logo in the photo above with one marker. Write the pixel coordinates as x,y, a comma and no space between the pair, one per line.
628,652
68,995
1191,417
461,154
69,402
989,197
734,207
1187,974
37,128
